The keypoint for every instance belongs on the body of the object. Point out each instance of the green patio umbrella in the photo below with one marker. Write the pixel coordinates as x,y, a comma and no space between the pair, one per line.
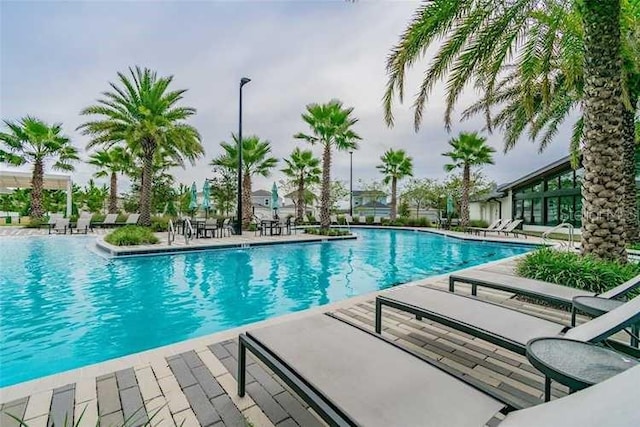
275,200
193,203
450,208
206,197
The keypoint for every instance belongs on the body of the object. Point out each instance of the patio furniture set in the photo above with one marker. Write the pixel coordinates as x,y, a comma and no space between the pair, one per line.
351,376
58,224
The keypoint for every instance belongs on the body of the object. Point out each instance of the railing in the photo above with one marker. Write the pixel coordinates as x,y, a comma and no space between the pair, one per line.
188,230
346,221
172,233
568,245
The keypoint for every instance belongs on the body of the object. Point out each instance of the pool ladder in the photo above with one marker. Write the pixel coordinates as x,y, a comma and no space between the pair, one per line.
565,245
172,233
189,231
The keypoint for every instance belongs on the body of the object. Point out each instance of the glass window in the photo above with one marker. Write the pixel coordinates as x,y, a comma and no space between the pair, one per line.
552,211
517,212
566,180
552,184
566,209
537,211
579,176
526,210
537,187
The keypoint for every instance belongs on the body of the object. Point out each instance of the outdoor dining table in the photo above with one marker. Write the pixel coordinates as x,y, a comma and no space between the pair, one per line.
269,223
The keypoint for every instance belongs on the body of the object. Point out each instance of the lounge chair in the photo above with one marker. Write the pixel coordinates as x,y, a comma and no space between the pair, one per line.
500,325
377,220
350,377
226,227
333,219
362,219
61,225
492,226
109,221
545,291
209,226
509,228
52,220
82,226
132,219
501,226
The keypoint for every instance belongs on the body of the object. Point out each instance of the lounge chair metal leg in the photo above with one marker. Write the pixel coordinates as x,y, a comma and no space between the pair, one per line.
452,284
242,358
573,316
378,316
547,389
418,317
474,290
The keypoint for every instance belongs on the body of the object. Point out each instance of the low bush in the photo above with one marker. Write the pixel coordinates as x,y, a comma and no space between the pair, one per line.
327,231
160,223
480,223
369,219
131,235
571,269
385,221
400,222
423,222
635,246
35,223
355,220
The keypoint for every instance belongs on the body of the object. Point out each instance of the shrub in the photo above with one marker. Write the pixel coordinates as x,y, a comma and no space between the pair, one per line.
480,223
160,223
355,220
385,221
401,222
423,222
98,218
369,219
327,231
36,223
571,269
131,235
122,217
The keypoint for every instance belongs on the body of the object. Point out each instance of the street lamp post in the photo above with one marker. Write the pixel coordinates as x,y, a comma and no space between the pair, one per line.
243,81
351,183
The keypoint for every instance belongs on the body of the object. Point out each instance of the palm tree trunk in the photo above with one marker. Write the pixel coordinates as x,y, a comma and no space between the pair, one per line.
36,189
113,194
630,192
145,190
325,196
300,207
394,186
464,202
247,206
603,155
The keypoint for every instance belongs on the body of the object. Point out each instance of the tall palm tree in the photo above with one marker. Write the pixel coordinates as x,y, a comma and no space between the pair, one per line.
330,125
480,38
395,166
110,163
31,140
304,169
468,150
256,161
144,114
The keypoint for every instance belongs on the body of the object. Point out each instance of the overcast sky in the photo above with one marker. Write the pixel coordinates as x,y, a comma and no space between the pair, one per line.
56,58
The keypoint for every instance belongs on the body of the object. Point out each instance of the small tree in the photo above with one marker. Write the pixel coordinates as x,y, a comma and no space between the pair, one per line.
338,193
422,193
224,189
395,166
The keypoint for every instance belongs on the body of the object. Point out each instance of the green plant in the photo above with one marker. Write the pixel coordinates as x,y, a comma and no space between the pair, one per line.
341,220
478,223
570,269
131,235
369,219
327,231
160,223
423,222
35,223
395,166
355,220
385,221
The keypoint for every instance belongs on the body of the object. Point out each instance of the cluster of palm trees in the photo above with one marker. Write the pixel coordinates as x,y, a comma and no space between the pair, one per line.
535,62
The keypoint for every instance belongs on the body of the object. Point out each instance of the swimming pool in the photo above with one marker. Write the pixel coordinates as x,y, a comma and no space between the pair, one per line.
62,306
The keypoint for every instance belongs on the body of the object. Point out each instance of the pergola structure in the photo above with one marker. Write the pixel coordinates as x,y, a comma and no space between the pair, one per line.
10,180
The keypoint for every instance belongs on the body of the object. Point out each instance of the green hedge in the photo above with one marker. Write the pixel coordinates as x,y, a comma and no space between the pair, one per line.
327,231
131,235
571,269
480,223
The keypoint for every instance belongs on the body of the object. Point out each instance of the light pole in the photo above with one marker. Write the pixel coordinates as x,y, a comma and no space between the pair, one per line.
351,183
243,81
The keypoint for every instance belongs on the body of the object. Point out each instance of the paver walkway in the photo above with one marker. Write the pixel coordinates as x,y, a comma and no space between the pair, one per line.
197,386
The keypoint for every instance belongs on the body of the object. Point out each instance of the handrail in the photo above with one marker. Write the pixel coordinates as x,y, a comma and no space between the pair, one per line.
172,232
569,245
187,223
346,220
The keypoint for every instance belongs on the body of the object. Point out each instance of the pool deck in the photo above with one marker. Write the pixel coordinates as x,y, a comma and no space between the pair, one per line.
193,383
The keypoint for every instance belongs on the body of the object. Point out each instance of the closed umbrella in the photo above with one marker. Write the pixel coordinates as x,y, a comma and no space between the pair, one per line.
275,200
206,197
449,205
193,203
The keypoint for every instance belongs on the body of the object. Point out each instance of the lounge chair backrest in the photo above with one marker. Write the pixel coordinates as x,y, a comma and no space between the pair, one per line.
610,403
53,218
622,289
348,218
61,224
512,226
494,224
110,219
362,219
226,221
602,327
502,225
133,218
83,223
377,220
86,215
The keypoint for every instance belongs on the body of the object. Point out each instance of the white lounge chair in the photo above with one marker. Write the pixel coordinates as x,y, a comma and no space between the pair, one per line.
61,226
82,226
109,220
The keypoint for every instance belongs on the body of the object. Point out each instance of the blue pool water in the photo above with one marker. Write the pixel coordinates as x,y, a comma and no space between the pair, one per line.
62,306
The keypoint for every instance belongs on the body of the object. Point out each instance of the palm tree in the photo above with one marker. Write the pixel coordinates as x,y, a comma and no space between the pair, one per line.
256,160
480,38
330,125
110,163
468,150
304,169
143,114
31,140
395,166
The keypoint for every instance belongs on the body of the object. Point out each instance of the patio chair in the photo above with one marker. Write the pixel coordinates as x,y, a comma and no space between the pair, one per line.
227,227
545,291
132,219
506,229
500,325
362,219
109,221
350,377
82,226
61,226
209,226
377,220
348,219
492,226
257,223
52,220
